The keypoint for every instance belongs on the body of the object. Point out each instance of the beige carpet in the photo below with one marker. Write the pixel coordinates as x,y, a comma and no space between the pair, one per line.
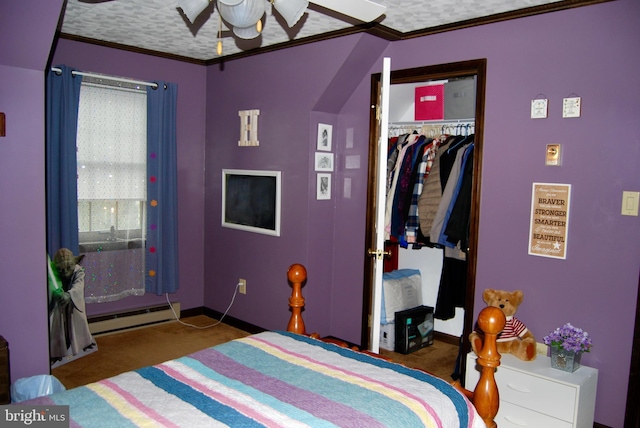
133,349
438,359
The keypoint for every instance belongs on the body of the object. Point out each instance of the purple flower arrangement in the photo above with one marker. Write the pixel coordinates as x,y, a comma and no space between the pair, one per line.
569,338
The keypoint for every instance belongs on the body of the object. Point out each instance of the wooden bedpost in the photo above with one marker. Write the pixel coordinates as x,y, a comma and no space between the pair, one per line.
486,399
297,276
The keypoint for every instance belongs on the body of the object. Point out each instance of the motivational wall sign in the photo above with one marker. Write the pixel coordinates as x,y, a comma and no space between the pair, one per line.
549,220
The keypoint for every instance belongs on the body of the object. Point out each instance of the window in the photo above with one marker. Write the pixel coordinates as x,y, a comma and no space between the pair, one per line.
111,141
119,175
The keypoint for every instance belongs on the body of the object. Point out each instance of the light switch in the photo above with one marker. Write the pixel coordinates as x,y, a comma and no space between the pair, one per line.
630,203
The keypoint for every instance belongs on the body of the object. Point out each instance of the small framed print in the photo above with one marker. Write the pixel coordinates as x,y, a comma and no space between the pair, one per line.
323,186
323,161
324,137
539,108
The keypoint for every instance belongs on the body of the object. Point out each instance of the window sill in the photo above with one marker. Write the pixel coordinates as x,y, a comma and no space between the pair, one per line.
92,247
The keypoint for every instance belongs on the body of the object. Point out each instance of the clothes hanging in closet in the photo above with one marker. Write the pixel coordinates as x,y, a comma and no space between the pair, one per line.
428,202
454,236
431,195
450,193
418,171
412,227
458,225
412,154
452,289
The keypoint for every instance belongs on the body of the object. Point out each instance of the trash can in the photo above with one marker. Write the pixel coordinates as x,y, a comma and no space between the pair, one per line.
27,388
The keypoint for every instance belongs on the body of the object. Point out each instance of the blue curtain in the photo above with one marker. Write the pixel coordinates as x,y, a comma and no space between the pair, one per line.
63,96
161,258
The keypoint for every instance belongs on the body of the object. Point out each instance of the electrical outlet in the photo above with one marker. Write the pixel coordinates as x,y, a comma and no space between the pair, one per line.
243,286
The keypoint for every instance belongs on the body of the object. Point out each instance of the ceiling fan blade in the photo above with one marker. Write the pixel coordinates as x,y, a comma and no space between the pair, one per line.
363,10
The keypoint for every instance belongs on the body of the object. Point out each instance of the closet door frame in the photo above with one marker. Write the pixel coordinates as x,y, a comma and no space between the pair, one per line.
469,68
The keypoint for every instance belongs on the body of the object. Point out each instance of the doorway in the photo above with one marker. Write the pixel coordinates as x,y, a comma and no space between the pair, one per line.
632,413
475,69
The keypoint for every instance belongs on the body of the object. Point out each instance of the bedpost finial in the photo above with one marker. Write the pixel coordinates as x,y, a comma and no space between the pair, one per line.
297,276
491,320
297,273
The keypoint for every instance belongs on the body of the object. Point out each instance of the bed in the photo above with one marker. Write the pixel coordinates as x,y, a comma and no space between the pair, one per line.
286,379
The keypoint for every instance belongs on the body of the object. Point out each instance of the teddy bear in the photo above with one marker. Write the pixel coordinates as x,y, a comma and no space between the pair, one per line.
515,338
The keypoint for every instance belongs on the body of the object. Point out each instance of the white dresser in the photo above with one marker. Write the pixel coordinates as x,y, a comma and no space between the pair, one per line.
532,394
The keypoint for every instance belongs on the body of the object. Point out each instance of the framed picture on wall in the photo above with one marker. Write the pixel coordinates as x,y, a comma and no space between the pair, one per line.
324,137
549,220
323,186
251,200
323,161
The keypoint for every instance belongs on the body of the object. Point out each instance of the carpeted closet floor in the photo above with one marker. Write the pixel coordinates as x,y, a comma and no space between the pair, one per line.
133,349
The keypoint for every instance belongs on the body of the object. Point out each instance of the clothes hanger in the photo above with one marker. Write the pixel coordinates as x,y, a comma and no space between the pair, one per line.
462,141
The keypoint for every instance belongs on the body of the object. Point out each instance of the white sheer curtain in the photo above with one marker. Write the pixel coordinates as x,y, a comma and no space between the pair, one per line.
112,132
112,140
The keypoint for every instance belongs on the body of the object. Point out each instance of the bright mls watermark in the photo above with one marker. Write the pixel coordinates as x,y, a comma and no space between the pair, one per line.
34,416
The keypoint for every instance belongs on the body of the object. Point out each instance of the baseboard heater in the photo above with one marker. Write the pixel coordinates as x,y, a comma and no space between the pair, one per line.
136,318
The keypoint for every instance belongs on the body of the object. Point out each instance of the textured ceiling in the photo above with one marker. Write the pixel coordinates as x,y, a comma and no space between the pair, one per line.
158,25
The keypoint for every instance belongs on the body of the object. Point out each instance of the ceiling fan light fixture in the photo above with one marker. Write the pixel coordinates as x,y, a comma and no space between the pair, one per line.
246,33
192,8
219,44
245,14
230,2
290,10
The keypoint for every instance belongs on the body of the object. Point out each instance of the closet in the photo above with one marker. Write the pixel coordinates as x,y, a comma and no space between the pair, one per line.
435,141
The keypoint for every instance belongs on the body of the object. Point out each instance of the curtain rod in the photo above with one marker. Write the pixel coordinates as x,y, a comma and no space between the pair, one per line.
115,79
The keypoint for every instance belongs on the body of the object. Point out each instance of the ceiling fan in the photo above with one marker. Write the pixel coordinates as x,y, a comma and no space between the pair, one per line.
245,15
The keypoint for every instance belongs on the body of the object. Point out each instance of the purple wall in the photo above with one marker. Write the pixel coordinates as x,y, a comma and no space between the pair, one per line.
23,313
586,51
582,51
190,127
23,305
29,25
285,91
589,51
294,89
22,224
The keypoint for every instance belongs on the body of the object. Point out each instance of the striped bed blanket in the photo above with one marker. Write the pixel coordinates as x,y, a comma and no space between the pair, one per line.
272,379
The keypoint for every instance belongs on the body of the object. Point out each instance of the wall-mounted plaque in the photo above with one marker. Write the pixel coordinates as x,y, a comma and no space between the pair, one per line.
549,220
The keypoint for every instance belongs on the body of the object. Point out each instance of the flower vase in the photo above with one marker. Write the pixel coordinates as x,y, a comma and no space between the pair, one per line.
568,361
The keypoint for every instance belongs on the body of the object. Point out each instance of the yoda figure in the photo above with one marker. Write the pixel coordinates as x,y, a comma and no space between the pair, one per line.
69,333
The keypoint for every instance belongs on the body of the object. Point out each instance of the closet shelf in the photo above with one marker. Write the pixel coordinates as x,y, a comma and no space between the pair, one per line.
435,122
